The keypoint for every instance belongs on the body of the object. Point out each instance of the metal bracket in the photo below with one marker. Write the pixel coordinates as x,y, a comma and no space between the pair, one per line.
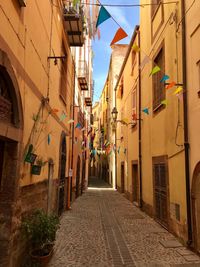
56,59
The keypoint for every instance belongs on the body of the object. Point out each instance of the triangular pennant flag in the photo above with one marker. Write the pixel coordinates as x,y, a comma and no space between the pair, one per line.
54,110
154,70
135,48
145,61
178,90
146,110
120,34
48,139
118,150
164,102
78,125
170,85
63,116
164,78
75,2
70,121
125,120
103,15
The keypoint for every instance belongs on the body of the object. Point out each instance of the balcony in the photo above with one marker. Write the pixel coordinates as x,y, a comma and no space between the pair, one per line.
83,75
73,24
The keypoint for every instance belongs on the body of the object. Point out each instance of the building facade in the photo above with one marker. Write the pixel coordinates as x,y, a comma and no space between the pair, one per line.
37,80
192,81
127,124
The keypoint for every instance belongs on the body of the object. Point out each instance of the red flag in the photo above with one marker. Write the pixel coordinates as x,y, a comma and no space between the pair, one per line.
120,34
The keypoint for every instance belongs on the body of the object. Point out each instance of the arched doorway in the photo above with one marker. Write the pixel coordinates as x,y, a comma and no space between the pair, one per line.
78,176
83,174
62,169
196,207
11,132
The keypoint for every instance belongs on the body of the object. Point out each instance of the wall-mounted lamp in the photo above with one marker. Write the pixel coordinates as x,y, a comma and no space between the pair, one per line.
56,59
114,114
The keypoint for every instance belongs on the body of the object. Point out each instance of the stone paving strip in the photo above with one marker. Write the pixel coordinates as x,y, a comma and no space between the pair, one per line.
105,229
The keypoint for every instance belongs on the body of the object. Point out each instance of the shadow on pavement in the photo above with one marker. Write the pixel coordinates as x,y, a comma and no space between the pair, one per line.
95,182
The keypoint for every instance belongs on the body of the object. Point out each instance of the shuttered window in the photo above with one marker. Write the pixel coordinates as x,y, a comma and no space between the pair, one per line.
63,79
158,87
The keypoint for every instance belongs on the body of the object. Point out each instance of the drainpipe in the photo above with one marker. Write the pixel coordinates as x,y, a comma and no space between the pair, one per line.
72,143
139,130
186,141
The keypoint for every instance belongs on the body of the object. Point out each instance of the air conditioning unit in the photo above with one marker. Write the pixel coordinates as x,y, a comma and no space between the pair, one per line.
22,3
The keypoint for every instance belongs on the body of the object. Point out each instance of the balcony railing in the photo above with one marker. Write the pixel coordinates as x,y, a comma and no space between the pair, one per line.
73,23
83,75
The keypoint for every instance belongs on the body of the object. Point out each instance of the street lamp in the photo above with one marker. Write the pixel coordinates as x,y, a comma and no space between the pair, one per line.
114,114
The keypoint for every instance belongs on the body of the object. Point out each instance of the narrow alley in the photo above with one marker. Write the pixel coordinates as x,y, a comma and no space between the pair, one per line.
104,229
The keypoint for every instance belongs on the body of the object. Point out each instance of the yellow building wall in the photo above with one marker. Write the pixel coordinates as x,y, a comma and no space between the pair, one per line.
162,131
127,136
28,50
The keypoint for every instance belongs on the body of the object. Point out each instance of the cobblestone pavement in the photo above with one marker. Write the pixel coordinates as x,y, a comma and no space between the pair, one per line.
105,229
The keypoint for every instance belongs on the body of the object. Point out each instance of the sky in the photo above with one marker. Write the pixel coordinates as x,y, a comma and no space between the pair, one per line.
127,18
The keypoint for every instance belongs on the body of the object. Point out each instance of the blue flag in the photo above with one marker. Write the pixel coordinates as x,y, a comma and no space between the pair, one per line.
103,15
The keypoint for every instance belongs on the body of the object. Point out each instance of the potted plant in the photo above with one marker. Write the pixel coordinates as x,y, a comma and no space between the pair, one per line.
36,168
40,232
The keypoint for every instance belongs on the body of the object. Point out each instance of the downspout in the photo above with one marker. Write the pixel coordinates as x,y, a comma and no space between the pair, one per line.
72,143
186,141
139,130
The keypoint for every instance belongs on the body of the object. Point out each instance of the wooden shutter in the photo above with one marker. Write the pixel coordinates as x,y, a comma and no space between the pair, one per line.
63,80
158,87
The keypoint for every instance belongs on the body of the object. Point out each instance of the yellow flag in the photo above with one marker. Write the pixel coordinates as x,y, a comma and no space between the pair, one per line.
125,120
178,90
136,48
155,70
164,102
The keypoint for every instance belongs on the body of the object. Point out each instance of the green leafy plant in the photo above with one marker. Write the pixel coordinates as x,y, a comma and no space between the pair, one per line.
40,228
40,161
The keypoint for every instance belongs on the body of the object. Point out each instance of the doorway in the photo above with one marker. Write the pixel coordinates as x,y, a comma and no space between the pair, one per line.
122,177
196,207
160,192
78,176
63,159
135,182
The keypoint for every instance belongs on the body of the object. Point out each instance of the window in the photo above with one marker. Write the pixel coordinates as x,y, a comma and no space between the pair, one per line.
158,87
63,80
154,7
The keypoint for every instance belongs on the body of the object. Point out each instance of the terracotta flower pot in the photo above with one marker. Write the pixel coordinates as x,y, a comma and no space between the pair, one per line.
42,255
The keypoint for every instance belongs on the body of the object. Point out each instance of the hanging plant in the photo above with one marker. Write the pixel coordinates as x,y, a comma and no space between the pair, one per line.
36,168
30,157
